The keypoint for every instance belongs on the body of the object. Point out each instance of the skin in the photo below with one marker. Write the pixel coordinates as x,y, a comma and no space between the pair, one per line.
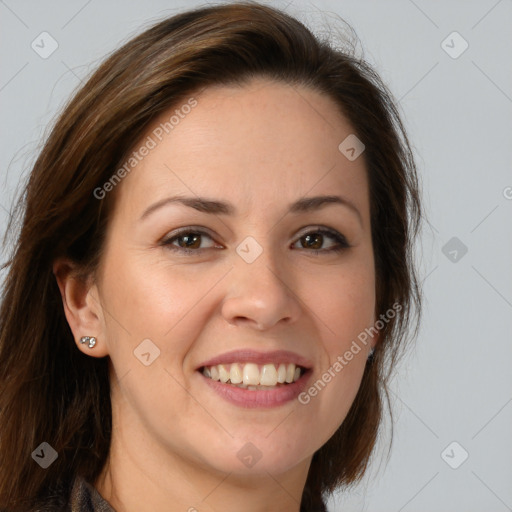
175,442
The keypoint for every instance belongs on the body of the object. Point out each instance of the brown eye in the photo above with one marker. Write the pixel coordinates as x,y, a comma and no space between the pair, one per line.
187,241
190,241
315,239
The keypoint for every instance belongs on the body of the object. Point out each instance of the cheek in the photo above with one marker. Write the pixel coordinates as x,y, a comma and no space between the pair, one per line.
344,308
150,298
343,301
140,291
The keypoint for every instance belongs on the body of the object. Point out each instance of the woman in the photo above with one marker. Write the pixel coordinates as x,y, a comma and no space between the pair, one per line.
213,278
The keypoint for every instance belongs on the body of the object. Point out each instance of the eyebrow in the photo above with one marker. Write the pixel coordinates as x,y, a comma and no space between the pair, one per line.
212,206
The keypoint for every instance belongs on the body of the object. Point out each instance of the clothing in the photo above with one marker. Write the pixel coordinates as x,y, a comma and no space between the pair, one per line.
85,498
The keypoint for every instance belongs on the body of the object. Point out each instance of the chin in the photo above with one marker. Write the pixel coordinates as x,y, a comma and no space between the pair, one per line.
259,456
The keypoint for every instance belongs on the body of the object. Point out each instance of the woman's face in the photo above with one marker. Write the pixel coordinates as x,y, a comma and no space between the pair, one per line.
251,280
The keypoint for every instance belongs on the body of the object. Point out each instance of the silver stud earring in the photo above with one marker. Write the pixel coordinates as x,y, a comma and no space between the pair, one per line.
88,339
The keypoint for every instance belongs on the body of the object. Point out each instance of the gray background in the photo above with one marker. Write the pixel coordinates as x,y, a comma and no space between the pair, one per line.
456,384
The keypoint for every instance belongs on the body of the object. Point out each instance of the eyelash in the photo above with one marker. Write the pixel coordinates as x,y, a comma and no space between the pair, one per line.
342,243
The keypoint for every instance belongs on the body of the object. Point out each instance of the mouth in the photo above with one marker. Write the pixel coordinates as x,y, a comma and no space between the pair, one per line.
254,377
251,385
250,378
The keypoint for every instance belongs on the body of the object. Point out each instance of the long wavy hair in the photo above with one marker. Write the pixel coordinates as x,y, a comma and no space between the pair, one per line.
52,392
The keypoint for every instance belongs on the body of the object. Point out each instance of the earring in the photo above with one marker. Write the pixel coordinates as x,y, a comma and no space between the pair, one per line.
88,339
371,356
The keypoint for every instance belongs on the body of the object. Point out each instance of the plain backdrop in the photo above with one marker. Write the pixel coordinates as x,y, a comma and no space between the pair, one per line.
452,395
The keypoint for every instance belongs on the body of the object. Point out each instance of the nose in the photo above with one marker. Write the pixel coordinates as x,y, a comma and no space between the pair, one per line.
260,294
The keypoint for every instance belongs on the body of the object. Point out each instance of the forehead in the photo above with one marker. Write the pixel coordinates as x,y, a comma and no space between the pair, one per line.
263,143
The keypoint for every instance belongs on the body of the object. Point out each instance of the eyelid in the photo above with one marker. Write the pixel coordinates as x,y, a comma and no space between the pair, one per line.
188,229
317,228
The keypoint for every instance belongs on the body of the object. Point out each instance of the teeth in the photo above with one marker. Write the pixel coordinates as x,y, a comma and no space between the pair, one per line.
269,375
235,375
281,373
253,377
223,373
251,374
290,372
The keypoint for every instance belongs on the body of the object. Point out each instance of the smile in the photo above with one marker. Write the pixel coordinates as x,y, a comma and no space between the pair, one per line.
253,376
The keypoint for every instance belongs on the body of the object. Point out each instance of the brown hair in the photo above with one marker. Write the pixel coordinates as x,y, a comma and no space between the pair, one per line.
50,390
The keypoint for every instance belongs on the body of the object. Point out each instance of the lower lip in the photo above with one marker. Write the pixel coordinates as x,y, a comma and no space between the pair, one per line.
258,398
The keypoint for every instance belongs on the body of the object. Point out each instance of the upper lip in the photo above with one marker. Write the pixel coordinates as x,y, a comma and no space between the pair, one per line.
254,356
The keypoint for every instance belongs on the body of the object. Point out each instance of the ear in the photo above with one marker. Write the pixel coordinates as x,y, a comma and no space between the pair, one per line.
82,307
